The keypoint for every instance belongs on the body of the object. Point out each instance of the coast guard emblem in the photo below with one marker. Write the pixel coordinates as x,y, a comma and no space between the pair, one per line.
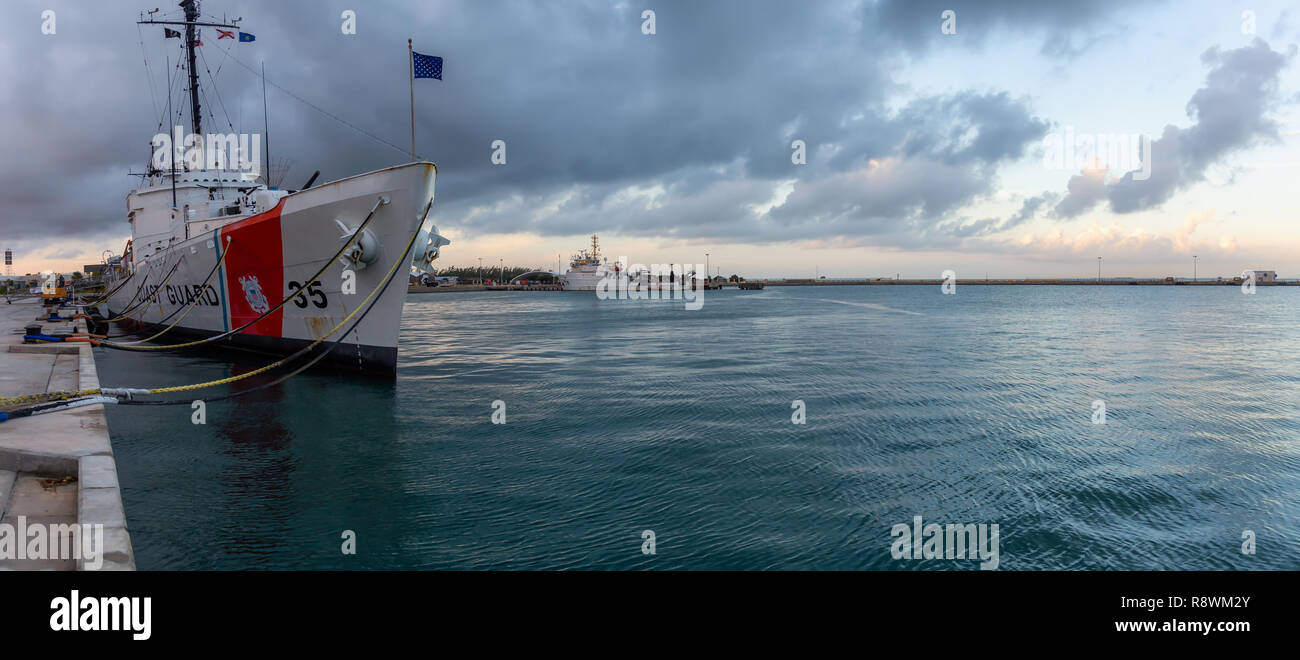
253,294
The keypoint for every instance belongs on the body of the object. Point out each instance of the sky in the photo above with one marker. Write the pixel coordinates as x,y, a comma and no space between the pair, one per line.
931,141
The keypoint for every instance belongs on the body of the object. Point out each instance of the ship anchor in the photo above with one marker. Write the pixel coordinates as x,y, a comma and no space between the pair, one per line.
363,252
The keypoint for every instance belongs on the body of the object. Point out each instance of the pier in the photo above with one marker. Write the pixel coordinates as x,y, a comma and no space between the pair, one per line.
57,468
446,288
453,288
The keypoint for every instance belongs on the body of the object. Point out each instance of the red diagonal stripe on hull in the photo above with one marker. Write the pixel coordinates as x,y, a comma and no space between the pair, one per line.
256,265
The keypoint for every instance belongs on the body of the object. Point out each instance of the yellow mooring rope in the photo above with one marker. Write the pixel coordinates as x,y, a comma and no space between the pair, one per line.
364,304
129,277
383,201
128,392
106,296
143,303
51,396
193,303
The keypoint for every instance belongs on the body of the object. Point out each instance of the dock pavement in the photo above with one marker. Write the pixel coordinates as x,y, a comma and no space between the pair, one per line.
56,468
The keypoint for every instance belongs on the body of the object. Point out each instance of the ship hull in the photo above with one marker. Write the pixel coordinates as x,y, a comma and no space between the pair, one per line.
577,280
348,356
270,255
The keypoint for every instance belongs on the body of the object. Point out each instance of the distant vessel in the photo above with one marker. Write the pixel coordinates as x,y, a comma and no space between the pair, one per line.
587,268
584,269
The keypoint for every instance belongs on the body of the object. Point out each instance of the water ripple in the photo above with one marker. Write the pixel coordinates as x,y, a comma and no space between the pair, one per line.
624,417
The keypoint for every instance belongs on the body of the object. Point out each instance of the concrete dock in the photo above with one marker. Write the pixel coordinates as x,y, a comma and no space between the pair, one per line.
56,468
446,288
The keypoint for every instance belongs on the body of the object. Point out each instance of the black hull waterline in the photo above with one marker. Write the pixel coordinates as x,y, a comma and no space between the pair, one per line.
351,357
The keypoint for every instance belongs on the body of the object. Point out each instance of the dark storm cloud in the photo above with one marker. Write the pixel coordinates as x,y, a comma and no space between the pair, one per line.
1230,113
685,133
969,127
1065,28
943,155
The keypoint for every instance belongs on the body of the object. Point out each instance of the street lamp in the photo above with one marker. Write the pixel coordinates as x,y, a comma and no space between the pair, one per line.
1099,269
1193,268
706,265
480,270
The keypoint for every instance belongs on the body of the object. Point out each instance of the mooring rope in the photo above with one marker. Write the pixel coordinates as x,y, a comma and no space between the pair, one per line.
138,289
44,396
332,345
176,311
125,395
197,297
143,302
110,293
54,407
364,305
383,201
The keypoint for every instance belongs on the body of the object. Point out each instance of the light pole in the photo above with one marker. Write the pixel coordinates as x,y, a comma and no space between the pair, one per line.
1193,268
1099,269
706,265
502,269
480,270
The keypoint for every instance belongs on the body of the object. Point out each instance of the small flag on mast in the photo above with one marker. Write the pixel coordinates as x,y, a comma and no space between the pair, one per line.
427,66
170,34
244,36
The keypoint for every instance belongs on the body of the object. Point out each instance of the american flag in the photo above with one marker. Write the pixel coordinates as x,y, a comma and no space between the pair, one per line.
427,66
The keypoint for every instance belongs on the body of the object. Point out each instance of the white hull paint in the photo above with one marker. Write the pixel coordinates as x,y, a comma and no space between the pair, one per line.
273,251
581,280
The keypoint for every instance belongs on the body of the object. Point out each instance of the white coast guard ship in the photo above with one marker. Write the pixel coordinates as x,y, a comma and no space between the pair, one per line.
587,268
183,219
584,269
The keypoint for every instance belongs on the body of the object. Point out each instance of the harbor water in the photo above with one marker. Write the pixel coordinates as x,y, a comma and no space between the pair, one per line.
622,417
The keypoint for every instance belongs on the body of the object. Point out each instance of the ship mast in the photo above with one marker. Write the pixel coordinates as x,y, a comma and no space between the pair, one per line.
192,24
191,8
